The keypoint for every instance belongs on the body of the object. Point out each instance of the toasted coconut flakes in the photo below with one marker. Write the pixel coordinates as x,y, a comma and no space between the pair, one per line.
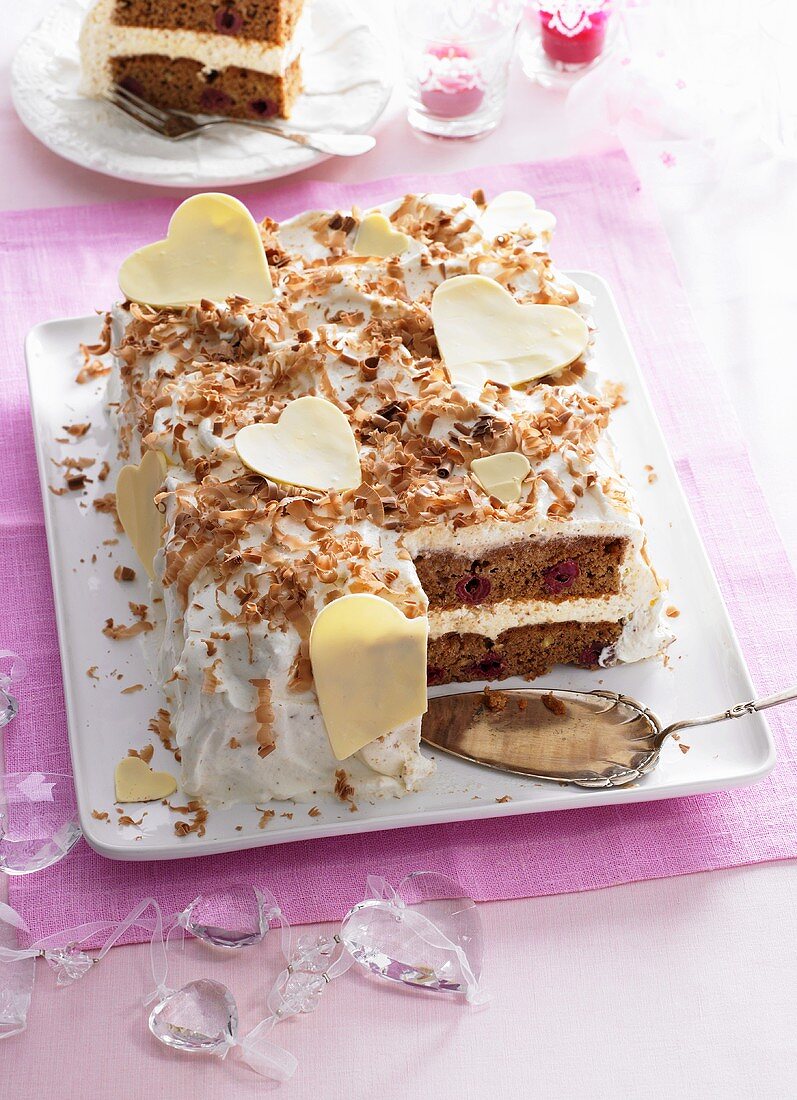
117,631
210,681
264,717
343,789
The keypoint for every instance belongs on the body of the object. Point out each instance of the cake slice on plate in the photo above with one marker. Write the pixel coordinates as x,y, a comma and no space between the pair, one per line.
383,457
220,57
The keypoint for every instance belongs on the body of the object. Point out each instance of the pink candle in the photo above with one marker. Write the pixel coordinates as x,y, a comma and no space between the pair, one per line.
452,85
574,32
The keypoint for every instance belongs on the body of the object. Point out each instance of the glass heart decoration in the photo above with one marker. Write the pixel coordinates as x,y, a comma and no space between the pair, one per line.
201,1017
38,821
426,933
12,671
233,916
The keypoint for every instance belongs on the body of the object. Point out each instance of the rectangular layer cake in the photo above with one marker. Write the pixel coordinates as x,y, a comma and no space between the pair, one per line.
512,580
204,57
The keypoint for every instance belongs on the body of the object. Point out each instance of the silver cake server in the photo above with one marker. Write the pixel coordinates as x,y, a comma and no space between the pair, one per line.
591,739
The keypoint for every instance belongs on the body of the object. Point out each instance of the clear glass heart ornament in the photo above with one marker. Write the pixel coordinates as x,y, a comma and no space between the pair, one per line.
12,671
199,1018
38,821
233,916
425,934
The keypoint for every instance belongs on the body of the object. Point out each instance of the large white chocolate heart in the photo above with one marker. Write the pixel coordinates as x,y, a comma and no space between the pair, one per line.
136,487
136,781
485,335
513,210
377,237
369,668
212,250
502,475
311,444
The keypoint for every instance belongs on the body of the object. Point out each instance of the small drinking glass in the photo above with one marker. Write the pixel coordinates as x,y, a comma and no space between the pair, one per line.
38,821
563,40
456,62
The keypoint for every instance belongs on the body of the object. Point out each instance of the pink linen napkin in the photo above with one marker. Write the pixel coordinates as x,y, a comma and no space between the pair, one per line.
63,262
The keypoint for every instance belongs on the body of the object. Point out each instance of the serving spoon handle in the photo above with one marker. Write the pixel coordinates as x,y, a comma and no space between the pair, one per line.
738,711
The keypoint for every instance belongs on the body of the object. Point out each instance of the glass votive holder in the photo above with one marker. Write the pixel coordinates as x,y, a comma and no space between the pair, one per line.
562,41
456,57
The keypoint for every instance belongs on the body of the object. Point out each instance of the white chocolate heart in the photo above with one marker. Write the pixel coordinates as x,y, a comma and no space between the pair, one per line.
136,781
311,444
136,487
502,475
513,210
212,250
377,237
485,335
369,668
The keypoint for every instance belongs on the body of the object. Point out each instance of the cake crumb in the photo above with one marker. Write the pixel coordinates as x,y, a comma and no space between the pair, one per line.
100,815
314,811
554,704
288,815
672,612
92,673
132,689
522,704
124,573
238,828
504,798
233,743
494,700
265,817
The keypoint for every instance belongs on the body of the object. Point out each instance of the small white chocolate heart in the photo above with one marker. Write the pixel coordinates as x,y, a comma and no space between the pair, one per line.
136,781
136,487
212,250
311,444
502,475
513,210
377,237
485,335
369,668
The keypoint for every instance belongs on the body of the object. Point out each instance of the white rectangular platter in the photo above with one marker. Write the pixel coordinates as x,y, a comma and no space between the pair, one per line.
704,670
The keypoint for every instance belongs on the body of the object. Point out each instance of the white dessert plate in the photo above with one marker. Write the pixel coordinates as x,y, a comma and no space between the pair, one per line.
704,670
347,87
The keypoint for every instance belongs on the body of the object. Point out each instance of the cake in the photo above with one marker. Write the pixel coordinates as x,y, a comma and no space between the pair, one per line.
239,58
493,517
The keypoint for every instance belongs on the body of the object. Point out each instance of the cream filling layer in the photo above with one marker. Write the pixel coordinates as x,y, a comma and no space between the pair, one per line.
101,39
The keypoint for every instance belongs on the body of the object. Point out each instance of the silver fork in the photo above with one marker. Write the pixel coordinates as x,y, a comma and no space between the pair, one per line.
177,125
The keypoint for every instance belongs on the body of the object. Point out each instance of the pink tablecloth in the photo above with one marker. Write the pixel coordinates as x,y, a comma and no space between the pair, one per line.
62,262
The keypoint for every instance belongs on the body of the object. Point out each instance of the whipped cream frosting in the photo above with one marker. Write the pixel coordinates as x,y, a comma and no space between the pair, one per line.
101,39
245,567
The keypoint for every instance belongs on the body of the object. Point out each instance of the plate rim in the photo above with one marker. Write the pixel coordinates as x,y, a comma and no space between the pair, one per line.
179,181
177,849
